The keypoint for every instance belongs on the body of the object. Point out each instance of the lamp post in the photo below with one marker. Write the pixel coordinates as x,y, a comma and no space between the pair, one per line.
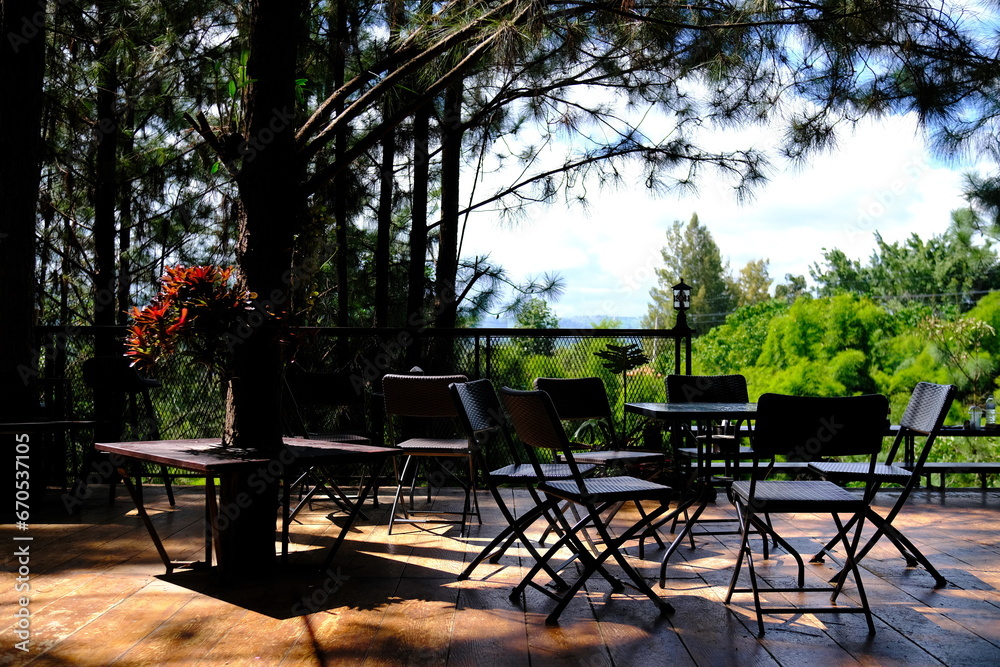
682,301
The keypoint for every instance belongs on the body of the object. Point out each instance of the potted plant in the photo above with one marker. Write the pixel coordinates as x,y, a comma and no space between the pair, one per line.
623,359
197,313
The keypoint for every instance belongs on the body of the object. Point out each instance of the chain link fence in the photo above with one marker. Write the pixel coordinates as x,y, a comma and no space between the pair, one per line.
190,403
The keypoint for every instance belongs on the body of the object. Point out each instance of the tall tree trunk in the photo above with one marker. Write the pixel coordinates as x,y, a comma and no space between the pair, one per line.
416,281
22,65
451,173
270,213
123,298
416,278
105,197
387,187
340,182
383,242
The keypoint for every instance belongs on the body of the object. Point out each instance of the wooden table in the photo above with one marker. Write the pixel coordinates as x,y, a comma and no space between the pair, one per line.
206,456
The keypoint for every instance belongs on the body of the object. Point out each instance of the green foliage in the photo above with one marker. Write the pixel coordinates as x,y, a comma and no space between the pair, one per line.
987,310
738,343
536,314
849,368
942,271
960,346
692,253
622,359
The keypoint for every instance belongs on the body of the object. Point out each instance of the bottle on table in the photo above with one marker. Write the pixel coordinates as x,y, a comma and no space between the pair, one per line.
991,413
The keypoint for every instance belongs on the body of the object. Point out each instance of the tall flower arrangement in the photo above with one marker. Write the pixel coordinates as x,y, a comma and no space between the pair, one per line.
197,313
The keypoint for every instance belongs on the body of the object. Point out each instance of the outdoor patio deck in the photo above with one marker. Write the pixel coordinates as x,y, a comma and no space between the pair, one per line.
99,597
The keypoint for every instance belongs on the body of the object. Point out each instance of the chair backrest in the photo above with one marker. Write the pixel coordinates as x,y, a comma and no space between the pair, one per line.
581,399
925,413
122,403
706,389
928,407
317,400
478,406
483,419
806,428
420,395
537,424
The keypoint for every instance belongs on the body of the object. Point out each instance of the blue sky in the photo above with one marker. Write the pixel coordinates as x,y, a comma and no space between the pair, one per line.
880,178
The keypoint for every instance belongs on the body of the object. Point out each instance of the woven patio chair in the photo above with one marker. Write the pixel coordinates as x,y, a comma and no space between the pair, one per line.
482,417
585,400
808,428
925,413
325,406
416,405
538,425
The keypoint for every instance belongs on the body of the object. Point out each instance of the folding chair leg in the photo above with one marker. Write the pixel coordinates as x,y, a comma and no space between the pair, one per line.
745,552
685,532
828,547
515,532
851,548
612,547
741,552
909,551
765,529
569,537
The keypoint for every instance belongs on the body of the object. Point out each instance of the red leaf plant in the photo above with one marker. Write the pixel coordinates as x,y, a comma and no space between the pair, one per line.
197,312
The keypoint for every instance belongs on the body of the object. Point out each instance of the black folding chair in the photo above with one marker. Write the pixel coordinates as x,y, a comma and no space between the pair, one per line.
537,424
923,417
482,417
325,406
584,400
808,428
414,404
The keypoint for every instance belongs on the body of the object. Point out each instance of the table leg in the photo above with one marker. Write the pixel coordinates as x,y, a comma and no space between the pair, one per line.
212,509
150,528
286,518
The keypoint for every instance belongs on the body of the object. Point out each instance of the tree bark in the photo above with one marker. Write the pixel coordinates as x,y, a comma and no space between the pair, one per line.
22,66
451,175
271,210
105,197
340,181
416,281
383,242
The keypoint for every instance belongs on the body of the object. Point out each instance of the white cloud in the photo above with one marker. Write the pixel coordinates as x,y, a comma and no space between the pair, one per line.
880,178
